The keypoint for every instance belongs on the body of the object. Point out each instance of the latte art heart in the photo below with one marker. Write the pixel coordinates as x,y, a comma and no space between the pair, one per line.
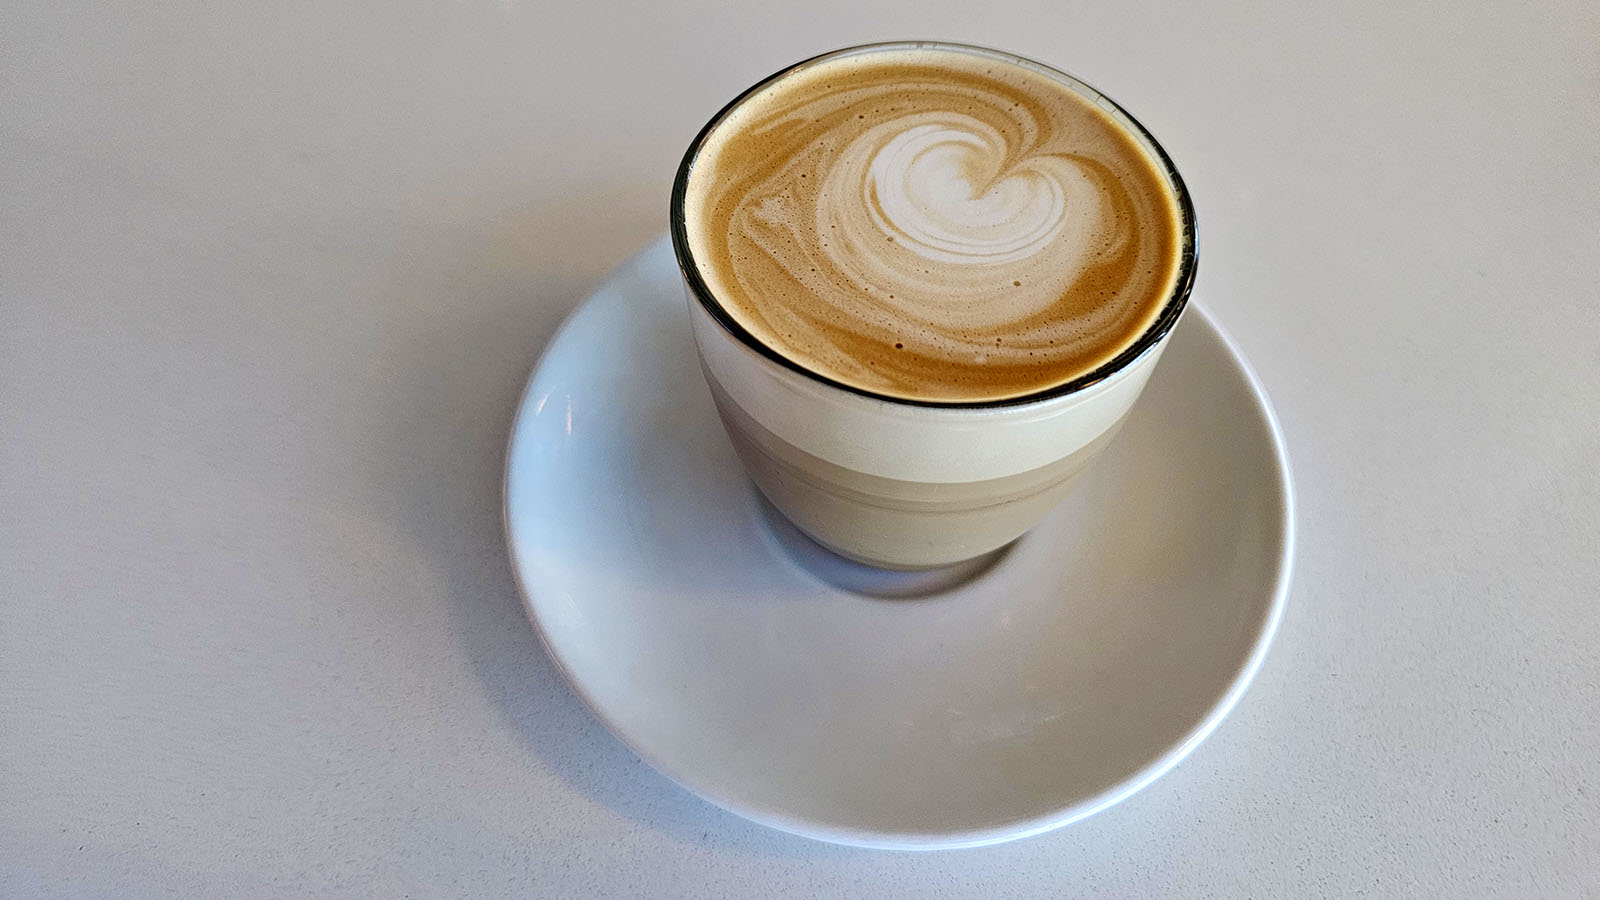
951,219
940,187
932,225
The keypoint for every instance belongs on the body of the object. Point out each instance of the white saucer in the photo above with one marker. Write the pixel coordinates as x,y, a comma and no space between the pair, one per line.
787,686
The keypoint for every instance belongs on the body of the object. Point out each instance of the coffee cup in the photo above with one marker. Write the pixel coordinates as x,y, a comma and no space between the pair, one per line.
927,283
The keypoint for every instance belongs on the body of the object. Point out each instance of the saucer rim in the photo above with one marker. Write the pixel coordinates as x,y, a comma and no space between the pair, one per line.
931,839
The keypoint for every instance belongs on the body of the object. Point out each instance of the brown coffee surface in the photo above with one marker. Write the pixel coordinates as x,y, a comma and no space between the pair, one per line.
933,224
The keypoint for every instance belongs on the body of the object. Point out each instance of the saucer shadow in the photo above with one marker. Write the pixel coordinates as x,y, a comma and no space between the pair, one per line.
454,387
858,578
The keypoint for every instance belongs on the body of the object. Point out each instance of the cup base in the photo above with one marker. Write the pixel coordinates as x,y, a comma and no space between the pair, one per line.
874,578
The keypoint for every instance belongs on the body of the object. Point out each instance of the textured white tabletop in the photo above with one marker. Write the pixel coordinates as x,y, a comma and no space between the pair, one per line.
272,276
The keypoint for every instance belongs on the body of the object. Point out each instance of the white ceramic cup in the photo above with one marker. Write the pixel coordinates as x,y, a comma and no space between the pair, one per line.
907,484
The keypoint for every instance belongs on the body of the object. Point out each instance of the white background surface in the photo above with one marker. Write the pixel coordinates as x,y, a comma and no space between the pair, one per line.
272,275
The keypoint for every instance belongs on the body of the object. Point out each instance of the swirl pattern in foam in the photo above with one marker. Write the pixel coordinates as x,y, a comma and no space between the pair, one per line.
932,224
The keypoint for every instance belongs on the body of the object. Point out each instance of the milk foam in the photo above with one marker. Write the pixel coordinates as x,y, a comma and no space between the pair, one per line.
933,224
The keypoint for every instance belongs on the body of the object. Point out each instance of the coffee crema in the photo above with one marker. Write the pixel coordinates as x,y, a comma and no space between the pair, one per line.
933,224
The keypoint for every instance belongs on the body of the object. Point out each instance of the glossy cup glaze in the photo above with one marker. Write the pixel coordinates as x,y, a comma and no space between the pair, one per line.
908,484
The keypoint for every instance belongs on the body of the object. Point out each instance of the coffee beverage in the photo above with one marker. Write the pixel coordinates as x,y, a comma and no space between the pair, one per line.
933,224
927,283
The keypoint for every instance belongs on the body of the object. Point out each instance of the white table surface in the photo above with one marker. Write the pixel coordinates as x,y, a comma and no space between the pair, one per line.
272,276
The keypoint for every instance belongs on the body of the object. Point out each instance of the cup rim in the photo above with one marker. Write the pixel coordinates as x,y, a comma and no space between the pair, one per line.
1171,310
